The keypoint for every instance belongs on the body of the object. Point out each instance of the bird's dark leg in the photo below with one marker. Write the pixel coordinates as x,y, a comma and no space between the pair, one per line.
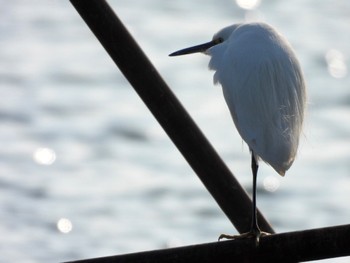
255,231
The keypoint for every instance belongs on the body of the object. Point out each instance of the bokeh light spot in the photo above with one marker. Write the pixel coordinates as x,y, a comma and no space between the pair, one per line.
64,225
336,63
271,183
44,156
248,4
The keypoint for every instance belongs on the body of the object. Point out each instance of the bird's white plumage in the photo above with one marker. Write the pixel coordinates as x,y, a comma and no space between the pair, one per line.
264,89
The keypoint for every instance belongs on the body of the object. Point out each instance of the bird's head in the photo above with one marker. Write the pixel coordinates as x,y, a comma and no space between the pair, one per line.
220,37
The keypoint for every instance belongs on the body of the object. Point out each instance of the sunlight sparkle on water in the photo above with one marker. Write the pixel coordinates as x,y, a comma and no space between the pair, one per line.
271,183
248,4
64,225
336,63
44,156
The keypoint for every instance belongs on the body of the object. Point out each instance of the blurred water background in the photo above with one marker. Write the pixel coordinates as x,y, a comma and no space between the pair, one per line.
86,171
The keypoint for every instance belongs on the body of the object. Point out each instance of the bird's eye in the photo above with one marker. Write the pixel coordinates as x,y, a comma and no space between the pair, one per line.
219,40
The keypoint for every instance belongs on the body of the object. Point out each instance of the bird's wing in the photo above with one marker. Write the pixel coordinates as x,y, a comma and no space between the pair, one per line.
262,93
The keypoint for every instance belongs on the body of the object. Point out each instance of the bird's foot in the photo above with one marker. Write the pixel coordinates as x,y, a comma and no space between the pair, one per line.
253,234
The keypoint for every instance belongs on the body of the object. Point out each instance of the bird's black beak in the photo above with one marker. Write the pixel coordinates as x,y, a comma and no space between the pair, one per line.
196,49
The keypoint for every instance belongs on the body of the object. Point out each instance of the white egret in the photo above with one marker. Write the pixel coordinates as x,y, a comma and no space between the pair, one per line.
264,88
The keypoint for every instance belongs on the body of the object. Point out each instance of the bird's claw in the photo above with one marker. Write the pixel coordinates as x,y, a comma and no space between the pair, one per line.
248,235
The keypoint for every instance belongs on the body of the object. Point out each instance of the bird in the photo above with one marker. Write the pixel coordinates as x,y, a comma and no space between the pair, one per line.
264,89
